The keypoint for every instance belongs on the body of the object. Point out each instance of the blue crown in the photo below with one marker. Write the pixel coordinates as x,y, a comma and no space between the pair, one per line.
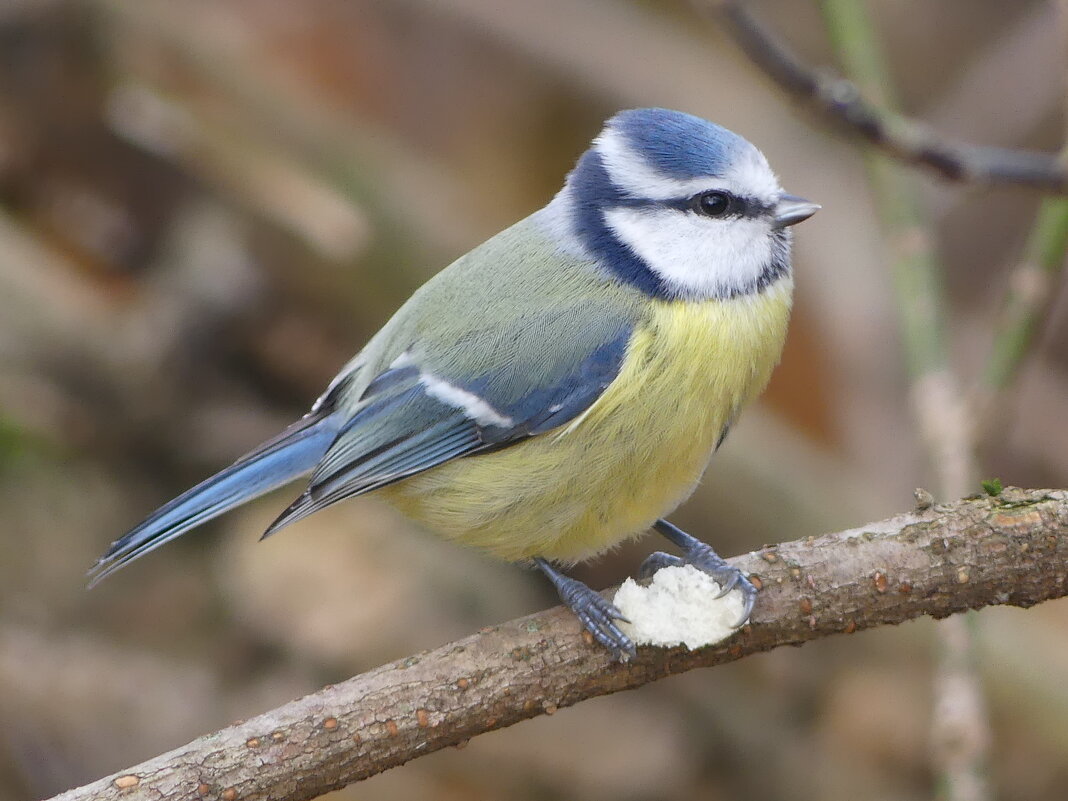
679,145
675,146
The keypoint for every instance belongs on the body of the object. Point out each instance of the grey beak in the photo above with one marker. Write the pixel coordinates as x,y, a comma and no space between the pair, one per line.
790,210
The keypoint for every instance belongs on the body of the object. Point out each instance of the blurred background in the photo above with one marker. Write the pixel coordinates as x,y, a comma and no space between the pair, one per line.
206,207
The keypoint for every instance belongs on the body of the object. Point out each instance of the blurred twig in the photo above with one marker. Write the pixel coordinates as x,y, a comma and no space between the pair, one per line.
1012,549
840,101
960,727
917,273
1030,294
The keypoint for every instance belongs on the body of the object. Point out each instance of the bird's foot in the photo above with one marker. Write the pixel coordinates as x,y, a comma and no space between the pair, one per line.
701,556
597,614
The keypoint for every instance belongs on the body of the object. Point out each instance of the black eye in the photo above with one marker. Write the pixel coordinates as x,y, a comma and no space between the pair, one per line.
712,204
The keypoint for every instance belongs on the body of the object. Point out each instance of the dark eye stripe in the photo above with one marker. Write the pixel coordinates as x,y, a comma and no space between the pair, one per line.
748,207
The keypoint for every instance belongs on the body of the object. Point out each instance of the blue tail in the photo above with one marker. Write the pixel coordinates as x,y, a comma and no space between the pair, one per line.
291,454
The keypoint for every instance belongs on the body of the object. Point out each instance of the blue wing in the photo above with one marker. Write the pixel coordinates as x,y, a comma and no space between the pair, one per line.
411,418
527,338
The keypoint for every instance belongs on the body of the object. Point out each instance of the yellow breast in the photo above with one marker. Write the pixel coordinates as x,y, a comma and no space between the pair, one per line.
634,456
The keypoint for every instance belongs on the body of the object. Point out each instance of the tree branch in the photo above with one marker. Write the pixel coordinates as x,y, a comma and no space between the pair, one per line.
839,101
1012,549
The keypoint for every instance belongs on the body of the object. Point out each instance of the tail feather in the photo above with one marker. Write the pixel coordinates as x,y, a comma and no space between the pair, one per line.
293,453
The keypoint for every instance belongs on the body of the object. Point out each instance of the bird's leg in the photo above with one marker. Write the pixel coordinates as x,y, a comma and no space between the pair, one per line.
596,613
701,556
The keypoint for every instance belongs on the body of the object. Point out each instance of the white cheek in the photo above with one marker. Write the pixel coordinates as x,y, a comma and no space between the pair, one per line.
696,256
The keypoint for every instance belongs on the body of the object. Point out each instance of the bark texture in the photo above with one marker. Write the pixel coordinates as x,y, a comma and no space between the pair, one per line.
1012,549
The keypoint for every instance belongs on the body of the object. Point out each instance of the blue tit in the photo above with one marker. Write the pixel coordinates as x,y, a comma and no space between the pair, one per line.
561,387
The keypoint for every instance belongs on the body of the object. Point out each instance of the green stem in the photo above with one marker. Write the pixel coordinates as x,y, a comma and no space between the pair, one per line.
921,307
915,268
1030,293
861,57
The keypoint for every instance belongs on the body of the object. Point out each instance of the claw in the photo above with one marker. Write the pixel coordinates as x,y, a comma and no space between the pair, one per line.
749,601
615,614
701,556
596,613
597,616
656,560
730,584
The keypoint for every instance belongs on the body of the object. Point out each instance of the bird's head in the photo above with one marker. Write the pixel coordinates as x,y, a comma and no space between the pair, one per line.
680,207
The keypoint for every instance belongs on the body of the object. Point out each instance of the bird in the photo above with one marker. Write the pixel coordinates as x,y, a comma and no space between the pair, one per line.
561,387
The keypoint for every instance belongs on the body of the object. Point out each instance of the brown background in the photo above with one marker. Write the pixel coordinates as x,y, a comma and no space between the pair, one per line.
206,207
